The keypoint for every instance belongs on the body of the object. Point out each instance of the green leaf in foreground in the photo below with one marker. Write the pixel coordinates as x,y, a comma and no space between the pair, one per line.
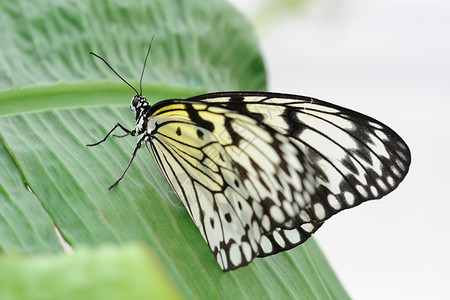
52,103
130,272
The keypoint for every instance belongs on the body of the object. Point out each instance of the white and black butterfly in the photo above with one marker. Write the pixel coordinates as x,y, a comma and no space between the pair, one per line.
260,172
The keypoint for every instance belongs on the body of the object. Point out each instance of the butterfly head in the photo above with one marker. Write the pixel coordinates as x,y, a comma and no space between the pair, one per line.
138,102
139,106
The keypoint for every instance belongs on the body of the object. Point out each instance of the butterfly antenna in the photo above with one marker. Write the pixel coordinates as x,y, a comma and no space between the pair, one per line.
145,62
98,56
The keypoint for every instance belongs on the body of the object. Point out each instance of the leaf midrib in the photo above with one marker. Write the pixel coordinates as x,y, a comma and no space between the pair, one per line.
83,93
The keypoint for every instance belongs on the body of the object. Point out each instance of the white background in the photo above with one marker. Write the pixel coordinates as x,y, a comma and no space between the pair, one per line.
389,59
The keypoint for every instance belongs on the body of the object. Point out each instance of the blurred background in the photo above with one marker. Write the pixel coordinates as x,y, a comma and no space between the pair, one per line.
389,59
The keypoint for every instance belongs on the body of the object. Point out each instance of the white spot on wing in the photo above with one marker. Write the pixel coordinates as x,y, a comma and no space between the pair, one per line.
304,216
287,206
265,222
235,255
247,250
377,146
381,135
319,211
361,190
349,198
266,245
333,201
381,184
279,239
277,214
395,171
308,227
390,181
374,191
293,236
224,258
400,164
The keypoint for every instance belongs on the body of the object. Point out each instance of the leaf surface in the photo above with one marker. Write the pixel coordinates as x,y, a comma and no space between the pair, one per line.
55,98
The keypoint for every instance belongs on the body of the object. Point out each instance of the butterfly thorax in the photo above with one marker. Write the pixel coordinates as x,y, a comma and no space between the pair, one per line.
140,106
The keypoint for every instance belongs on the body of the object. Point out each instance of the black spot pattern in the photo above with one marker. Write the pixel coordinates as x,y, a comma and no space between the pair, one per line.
200,134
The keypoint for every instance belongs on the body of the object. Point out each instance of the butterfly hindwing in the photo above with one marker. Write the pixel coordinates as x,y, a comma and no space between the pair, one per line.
238,178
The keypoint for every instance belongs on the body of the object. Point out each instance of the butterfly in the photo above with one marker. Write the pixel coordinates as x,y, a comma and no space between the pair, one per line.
260,172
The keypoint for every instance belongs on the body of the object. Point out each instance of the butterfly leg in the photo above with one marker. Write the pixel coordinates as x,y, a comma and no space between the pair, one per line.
121,136
138,146
109,133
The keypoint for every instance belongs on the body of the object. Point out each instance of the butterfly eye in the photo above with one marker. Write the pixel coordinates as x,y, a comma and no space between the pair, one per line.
135,101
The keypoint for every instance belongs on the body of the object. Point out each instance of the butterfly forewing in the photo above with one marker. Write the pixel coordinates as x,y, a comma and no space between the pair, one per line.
238,178
356,158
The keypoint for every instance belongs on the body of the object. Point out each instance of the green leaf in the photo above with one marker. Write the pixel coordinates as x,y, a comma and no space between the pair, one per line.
107,273
55,98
